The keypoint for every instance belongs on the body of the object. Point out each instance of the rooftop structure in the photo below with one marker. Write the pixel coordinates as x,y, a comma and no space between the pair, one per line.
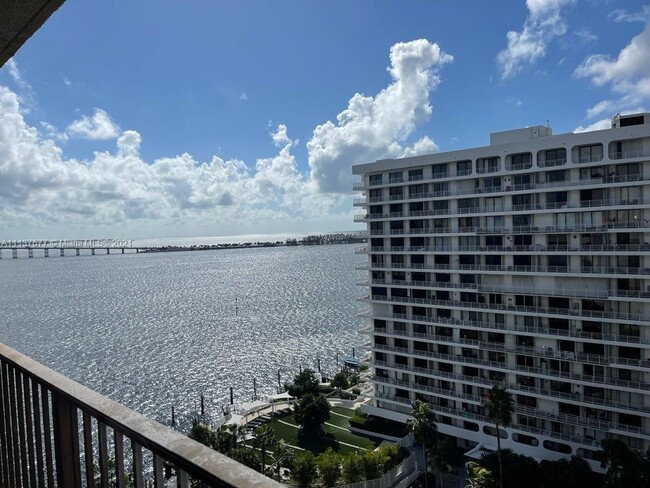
525,264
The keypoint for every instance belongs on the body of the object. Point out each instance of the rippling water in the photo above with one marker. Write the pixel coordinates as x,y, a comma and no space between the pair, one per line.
156,330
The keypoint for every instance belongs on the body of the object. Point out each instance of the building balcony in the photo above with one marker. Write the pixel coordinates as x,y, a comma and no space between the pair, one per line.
43,442
573,398
586,422
495,269
539,352
518,309
464,415
518,290
517,230
574,332
608,181
536,248
518,369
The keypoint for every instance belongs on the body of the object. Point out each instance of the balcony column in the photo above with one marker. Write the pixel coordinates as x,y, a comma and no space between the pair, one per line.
61,252
122,250
46,253
66,441
92,251
14,253
108,251
78,251
30,252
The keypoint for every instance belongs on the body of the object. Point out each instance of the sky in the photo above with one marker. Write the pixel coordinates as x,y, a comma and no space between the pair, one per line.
173,118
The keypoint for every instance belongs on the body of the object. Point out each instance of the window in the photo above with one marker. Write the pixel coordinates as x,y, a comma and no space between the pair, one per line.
440,171
376,180
521,161
395,177
553,176
553,157
463,168
587,154
416,174
488,165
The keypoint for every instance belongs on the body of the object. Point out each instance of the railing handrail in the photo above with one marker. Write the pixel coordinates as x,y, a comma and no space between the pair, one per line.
192,457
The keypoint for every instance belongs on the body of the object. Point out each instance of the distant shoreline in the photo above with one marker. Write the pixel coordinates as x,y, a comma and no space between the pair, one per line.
311,240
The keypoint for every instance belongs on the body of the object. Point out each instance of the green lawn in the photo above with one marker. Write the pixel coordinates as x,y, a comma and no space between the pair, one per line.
331,438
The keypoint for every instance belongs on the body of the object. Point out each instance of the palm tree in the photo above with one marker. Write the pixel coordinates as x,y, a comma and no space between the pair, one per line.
282,456
500,407
423,425
441,455
263,439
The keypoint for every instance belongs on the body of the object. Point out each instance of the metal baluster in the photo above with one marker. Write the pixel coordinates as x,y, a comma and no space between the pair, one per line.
66,441
5,438
38,433
88,450
138,472
47,434
103,454
158,471
181,479
21,427
14,426
29,424
119,459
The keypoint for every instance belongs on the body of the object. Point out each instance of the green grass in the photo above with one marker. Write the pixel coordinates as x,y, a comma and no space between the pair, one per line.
317,444
348,412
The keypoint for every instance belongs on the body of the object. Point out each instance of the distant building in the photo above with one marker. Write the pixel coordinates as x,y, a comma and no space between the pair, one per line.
525,263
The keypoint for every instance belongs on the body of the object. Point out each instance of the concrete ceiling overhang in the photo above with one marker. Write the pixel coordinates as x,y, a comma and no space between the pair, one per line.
19,19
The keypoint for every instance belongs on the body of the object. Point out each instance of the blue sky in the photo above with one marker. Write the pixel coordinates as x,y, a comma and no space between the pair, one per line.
198,117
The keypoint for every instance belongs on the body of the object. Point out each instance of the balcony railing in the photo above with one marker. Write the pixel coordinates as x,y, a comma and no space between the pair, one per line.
519,309
537,248
524,187
55,432
531,329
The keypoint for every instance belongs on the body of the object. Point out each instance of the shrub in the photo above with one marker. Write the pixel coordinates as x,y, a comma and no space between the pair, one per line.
356,391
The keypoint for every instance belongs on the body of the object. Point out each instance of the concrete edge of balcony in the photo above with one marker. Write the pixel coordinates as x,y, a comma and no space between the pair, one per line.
175,447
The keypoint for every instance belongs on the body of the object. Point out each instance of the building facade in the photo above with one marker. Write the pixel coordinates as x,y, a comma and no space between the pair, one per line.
524,264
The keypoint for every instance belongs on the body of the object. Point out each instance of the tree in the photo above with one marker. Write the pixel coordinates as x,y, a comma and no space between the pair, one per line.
340,381
304,469
373,464
304,383
245,456
200,433
625,467
263,439
572,473
282,456
423,425
329,467
440,456
522,470
500,407
478,476
311,412
352,468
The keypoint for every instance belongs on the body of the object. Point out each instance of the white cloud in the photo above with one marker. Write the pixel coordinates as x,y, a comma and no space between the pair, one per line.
621,15
53,133
586,36
118,189
627,75
599,108
280,137
599,125
66,81
27,95
243,97
544,23
97,127
375,127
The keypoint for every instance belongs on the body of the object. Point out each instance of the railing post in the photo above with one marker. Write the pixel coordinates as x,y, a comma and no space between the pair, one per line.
66,441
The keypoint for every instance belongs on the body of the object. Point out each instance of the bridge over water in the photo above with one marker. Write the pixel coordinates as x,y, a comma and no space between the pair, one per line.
66,248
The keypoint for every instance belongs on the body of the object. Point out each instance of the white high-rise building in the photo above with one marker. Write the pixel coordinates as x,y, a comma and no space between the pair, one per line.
525,264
